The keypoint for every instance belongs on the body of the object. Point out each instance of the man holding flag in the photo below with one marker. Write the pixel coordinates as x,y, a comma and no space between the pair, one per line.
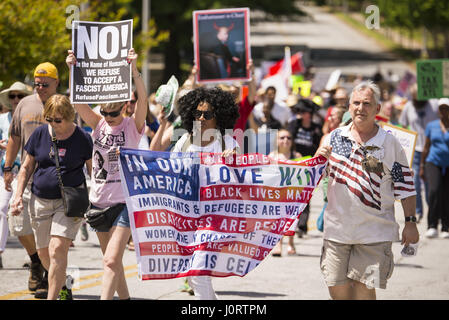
368,171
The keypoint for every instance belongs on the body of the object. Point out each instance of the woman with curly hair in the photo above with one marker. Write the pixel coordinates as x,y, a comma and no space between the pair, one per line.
205,115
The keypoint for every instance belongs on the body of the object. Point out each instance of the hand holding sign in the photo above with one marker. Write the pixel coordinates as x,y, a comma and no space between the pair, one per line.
132,58
70,60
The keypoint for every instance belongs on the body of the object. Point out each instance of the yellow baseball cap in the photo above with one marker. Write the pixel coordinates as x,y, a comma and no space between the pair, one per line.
46,69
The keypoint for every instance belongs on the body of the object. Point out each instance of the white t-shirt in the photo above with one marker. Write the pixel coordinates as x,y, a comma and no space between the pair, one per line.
417,120
361,204
214,147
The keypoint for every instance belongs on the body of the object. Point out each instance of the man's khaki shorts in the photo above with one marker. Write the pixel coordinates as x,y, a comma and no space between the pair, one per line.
20,225
48,219
371,264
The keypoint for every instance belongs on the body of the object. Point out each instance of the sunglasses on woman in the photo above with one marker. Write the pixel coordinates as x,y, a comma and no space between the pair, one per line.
13,96
55,120
208,115
112,114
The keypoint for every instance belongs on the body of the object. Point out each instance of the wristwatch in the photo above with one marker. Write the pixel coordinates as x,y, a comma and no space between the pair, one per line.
7,169
410,219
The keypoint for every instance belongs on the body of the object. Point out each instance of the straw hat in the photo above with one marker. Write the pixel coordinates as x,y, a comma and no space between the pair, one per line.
17,87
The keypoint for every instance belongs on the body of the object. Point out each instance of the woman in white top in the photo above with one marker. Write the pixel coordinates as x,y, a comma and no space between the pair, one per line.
205,115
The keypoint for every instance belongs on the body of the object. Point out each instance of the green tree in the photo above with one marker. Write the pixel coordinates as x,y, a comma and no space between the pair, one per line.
32,32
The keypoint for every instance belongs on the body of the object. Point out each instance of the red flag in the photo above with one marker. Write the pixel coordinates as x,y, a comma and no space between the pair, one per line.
296,63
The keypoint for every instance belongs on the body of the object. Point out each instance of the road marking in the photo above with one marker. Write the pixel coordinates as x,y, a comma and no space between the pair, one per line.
24,293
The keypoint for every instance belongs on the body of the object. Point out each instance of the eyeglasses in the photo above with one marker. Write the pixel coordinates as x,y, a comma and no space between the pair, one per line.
55,120
283,138
206,114
112,114
13,96
41,85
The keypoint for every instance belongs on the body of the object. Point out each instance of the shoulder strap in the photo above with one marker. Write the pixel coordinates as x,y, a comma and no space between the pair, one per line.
56,155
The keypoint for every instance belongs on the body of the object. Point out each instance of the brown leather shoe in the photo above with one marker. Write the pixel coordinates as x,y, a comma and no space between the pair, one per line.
42,289
36,275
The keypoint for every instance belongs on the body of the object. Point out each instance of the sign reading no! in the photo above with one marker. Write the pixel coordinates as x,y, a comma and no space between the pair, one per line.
102,73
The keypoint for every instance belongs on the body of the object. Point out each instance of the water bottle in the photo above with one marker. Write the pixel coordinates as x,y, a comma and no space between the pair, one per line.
410,251
17,221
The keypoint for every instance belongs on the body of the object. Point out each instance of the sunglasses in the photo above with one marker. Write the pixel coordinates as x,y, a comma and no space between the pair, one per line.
55,120
13,96
112,114
206,114
133,101
41,85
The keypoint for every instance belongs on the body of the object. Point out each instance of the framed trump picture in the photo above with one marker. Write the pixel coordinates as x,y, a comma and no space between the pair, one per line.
221,44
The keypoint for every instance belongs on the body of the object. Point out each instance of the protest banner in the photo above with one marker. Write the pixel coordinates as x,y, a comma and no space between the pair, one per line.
194,214
406,138
433,78
102,73
221,44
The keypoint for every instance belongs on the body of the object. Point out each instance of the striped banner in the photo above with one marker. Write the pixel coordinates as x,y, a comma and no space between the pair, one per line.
201,214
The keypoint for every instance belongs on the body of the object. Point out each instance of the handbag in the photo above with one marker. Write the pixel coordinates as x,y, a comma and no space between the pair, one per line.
75,200
96,217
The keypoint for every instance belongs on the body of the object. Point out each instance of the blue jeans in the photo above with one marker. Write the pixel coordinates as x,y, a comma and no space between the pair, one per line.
122,220
415,167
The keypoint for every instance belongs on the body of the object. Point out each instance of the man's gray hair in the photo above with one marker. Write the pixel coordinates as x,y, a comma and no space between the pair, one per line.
367,85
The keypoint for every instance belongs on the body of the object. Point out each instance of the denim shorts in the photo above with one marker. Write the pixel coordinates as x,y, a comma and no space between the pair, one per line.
122,220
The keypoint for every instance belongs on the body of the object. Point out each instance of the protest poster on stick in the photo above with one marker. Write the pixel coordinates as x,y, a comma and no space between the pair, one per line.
406,138
221,44
194,214
432,78
102,73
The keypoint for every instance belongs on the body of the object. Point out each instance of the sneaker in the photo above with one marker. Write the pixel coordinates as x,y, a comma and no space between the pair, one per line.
444,235
36,275
42,289
432,233
84,233
65,294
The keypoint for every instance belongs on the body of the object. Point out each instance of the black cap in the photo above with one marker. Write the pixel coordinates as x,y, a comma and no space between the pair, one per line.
306,105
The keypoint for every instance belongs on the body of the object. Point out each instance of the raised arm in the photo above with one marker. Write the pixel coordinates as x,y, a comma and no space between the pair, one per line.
85,112
252,85
157,141
142,102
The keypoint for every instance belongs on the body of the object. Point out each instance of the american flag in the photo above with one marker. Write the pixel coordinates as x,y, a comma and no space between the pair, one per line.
346,169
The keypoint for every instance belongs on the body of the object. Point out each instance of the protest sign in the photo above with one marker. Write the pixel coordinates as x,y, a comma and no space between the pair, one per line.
102,73
319,81
221,44
193,214
433,78
406,138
